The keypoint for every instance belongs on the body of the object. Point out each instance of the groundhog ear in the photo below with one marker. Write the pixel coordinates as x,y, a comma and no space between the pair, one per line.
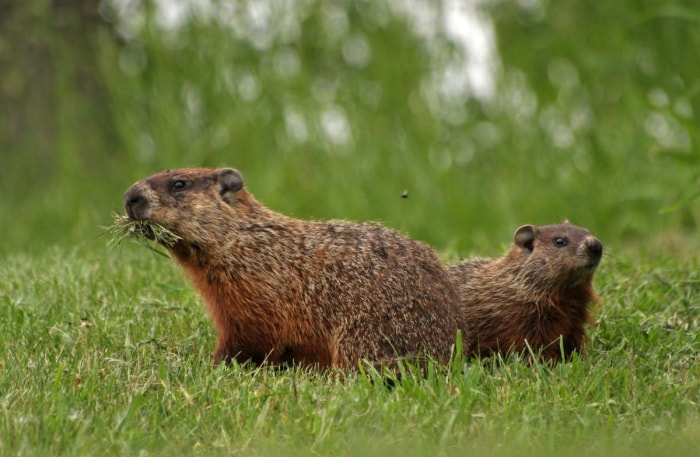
230,181
525,237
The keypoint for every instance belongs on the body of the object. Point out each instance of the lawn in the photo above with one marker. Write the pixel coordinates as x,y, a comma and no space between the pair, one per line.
338,110
107,351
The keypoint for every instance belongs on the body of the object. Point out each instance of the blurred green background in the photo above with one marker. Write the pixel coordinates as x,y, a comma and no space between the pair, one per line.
490,114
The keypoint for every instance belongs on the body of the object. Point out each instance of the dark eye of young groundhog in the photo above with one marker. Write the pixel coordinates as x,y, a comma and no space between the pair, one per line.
560,242
178,185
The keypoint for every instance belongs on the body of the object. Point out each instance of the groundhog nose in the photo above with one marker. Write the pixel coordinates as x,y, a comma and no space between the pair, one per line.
595,247
134,202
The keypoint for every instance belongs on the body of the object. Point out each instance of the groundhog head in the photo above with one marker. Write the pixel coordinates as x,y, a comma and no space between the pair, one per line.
561,254
196,204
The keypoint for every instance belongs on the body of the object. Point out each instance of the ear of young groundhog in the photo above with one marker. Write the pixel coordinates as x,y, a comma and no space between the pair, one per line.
525,237
229,182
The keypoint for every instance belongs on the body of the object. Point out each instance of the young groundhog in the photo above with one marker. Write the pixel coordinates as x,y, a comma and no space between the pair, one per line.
283,290
536,294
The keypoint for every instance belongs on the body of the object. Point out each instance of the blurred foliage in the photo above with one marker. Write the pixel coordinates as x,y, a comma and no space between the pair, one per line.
334,109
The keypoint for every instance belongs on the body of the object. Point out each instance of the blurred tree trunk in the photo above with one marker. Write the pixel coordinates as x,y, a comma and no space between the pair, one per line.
53,101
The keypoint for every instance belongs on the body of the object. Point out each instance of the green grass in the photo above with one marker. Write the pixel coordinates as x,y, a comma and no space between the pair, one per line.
107,352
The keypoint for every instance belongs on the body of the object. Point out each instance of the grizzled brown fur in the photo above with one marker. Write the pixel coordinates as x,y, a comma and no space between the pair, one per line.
538,292
285,290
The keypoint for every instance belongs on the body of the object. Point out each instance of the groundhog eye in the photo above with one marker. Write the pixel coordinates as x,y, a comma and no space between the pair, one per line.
178,185
559,242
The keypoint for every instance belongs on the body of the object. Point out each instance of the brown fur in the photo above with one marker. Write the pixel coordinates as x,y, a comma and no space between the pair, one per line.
286,290
536,294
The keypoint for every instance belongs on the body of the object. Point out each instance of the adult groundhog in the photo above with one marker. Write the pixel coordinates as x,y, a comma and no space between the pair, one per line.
284,290
537,293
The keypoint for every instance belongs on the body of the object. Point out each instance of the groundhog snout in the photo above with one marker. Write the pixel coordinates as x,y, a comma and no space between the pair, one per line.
136,203
594,248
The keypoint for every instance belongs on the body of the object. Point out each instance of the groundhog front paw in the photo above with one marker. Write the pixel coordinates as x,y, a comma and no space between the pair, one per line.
224,354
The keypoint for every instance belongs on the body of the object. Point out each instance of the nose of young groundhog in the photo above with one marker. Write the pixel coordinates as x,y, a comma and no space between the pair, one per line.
594,248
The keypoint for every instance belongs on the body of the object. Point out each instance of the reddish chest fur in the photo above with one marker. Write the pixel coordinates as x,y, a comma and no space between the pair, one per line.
258,323
551,327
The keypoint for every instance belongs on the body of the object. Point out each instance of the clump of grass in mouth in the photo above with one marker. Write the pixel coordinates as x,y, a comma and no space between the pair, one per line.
123,228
